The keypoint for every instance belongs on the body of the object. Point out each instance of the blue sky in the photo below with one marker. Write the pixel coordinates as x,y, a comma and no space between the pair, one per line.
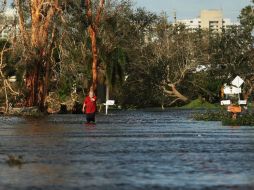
191,8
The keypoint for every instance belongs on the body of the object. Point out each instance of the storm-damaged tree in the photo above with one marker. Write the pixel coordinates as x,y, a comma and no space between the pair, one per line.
37,30
176,55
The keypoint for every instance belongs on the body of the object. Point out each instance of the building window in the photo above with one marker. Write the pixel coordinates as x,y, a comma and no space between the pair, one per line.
213,22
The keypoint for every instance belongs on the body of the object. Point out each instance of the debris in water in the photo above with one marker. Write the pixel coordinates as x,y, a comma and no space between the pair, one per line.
15,160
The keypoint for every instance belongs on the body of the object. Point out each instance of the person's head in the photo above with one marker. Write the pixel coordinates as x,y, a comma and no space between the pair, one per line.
91,94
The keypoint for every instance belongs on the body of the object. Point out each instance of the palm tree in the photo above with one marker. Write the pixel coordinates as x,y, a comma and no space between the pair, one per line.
112,70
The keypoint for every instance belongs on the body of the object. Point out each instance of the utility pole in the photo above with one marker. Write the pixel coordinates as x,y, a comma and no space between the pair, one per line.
174,12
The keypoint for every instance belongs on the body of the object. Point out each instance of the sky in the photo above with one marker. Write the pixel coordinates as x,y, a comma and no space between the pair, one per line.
188,9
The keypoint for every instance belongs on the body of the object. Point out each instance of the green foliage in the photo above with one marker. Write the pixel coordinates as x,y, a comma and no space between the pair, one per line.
4,44
202,86
245,119
211,116
247,17
115,62
9,59
233,41
142,19
64,88
138,51
63,93
200,104
230,54
242,120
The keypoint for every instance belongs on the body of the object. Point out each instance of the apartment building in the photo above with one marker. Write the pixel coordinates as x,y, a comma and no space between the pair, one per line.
190,23
211,19
208,19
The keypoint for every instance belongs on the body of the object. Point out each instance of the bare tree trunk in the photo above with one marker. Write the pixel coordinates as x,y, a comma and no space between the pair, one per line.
174,93
6,98
92,34
46,83
107,91
92,29
32,80
30,89
178,94
47,69
107,96
22,27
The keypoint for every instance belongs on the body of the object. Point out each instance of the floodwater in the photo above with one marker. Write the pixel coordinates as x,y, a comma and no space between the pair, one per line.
125,150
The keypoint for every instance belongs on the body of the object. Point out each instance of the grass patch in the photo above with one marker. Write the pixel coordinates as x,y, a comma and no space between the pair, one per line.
200,104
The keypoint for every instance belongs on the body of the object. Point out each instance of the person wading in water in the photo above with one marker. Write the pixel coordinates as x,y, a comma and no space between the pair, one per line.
89,107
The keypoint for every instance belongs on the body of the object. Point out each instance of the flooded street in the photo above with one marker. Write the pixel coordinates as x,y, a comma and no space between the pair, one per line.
126,150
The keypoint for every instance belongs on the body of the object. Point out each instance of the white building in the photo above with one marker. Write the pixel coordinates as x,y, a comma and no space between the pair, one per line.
208,19
227,23
191,23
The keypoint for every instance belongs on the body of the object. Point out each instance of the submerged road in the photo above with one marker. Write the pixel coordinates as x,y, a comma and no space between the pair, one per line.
125,150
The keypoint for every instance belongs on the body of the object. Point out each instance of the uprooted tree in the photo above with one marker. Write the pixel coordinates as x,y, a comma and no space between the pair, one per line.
176,54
